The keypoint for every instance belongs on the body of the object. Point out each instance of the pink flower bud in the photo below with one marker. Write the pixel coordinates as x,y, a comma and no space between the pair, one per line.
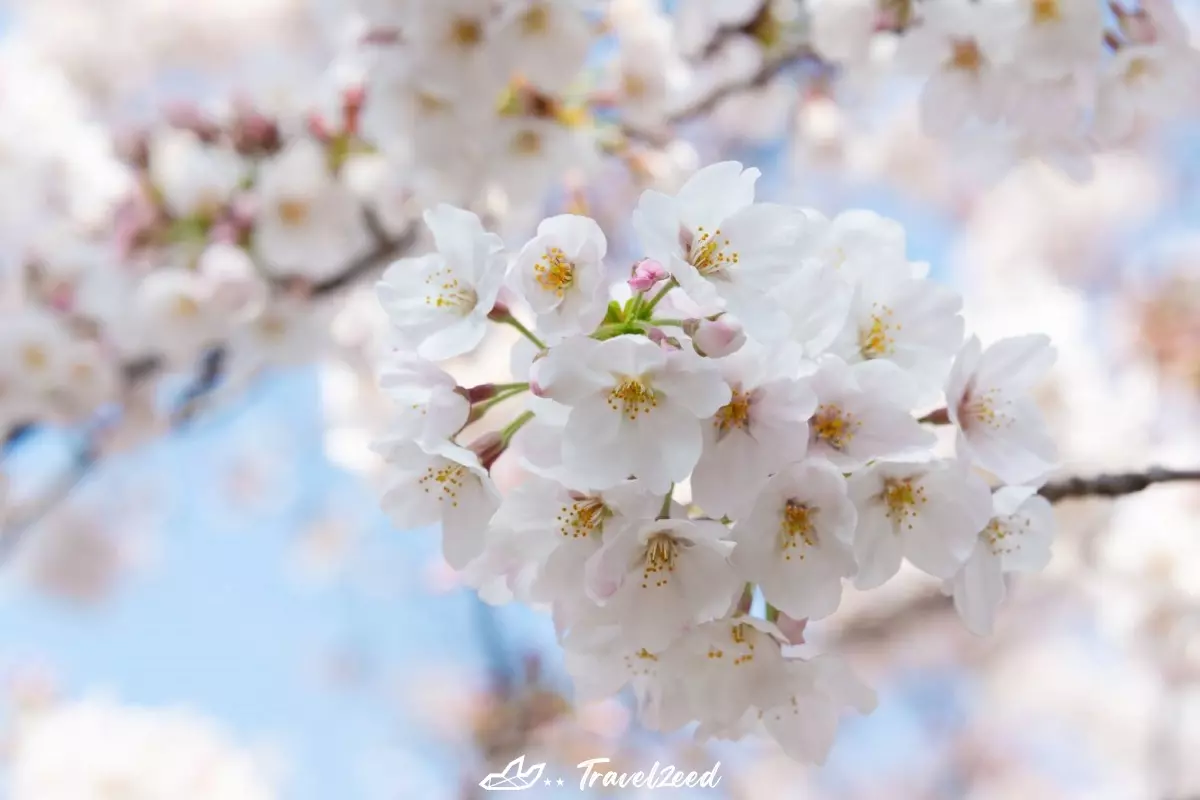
646,273
716,338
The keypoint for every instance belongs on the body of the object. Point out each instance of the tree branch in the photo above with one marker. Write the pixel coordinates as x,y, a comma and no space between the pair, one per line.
772,66
1114,485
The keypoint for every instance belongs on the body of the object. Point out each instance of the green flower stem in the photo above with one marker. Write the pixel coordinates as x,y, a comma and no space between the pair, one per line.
665,511
528,334
772,613
671,284
509,430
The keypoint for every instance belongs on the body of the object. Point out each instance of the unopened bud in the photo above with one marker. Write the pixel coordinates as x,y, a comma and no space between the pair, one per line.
715,338
489,447
646,273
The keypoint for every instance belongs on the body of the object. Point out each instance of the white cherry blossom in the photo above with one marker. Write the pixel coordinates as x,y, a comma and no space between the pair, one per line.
560,273
309,223
195,178
805,724
658,577
728,666
444,484
430,409
863,414
548,41
763,427
1017,539
1058,37
914,324
796,541
927,513
636,409
720,245
988,397
440,302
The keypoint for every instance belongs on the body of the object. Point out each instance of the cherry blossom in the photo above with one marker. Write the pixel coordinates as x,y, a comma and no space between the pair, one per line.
796,541
999,425
560,273
636,409
1017,539
440,301
928,514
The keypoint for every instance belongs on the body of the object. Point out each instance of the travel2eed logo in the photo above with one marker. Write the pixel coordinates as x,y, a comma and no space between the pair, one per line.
516,777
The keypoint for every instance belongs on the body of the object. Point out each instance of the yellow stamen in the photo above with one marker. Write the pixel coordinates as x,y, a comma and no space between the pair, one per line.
554,272
661,551
35,357
632,397
706,252
536,20
796,528
902,500
965,56
445,481
834,426
466,32
526,143
876,340
293,213
735,414
584,517
1046,11
448,293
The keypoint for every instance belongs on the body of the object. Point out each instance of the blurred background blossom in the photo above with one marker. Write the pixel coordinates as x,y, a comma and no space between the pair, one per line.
196,581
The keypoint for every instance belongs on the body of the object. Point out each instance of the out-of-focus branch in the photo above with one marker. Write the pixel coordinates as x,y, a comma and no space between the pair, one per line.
772,66
207,377
1114,485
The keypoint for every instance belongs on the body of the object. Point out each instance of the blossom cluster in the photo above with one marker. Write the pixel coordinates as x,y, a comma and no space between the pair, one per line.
742,419
1046,77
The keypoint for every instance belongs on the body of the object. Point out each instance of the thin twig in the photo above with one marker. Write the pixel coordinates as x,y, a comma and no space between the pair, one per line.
772,66
1114,485
15,532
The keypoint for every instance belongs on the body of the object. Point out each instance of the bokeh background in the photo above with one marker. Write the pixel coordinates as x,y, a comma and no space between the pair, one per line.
235,562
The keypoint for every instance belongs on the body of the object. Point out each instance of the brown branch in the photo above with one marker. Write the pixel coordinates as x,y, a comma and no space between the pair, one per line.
1114,485
772,66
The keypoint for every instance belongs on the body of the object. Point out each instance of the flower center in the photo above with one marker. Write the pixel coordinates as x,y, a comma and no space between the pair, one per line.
706,252
902,499
633,85
554,272
582,518
185,307
983,409
447,292
876,341
1045,11
1138,70
1004,536
796,528
445,482
272,328
536,20
643,662
526,143
35,357
834,426
293,213
466,32
735,414
429,103
965,56
632,397
661,551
